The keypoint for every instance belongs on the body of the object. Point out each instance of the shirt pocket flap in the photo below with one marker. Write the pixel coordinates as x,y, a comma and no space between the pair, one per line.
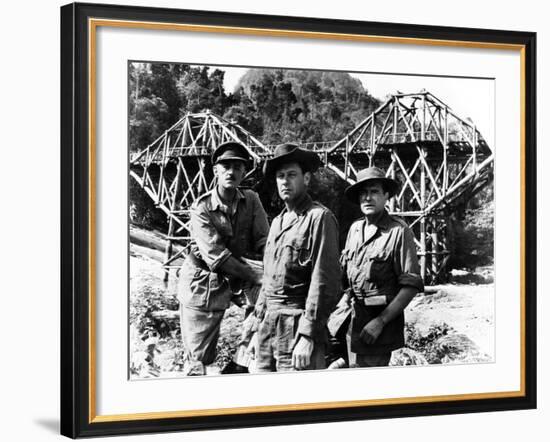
380,266
298,252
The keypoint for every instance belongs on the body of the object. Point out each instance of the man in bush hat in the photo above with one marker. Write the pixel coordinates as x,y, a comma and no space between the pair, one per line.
301,269
227,224
381,269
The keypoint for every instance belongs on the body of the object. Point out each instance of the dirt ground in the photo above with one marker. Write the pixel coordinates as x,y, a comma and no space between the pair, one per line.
467,308
454,324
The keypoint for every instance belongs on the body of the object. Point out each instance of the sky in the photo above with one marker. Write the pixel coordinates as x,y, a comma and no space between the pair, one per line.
473,98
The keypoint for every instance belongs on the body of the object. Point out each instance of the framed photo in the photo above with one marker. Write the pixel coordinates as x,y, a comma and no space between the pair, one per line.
442,120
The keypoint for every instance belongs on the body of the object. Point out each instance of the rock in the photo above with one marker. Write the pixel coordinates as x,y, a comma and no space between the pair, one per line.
407,356
457,347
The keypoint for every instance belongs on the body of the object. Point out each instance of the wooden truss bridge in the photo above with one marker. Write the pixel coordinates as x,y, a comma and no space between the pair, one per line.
440,159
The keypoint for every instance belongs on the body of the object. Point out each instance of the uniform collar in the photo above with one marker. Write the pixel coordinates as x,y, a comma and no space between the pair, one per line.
303,203
216,201
383,222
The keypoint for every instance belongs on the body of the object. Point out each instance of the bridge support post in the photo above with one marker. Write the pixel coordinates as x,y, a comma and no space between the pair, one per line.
169,249
423,250
435,250
172,224
392,175
202,165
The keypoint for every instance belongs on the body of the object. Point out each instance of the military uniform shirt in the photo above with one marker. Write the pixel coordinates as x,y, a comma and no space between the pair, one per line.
301,267
219,231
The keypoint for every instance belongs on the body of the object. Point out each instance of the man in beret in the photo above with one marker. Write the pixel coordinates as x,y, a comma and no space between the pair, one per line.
381,270
227,224
301,270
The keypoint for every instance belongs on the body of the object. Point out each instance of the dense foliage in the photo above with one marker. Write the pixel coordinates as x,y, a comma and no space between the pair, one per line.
275,105
473,231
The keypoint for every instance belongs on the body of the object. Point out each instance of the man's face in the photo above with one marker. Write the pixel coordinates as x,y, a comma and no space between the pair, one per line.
372,198
230,173
291,181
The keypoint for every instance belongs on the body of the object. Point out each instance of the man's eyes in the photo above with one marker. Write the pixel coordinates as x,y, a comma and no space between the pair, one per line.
371,192
228,167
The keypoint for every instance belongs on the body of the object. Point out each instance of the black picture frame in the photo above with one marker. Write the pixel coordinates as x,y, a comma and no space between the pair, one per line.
77,418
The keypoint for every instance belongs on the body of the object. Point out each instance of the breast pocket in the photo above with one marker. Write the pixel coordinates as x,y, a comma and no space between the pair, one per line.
297,252
347,263
355,268
379,268
297,258
358,277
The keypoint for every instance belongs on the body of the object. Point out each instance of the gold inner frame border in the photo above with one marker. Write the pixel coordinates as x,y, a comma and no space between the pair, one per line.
93,24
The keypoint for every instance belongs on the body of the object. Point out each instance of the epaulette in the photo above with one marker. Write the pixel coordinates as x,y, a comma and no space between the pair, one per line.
248,193
321,207
202,198
245,191
318,204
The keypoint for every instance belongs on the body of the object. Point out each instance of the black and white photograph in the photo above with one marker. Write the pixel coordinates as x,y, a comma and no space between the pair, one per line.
290,220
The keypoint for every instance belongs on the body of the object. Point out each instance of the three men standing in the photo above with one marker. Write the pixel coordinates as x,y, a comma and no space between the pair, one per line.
227,223
301,270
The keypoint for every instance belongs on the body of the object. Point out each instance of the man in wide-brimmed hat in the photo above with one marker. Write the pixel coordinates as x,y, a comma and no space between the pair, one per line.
301,269
381,271
227,224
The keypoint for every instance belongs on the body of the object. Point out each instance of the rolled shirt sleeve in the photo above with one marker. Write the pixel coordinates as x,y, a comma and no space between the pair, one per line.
209,242
325,277
406,263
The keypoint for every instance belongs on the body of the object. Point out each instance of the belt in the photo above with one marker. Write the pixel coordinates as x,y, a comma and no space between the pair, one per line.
276,304
373,300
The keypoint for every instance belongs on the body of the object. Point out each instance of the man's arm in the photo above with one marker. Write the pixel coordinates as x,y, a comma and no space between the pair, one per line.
323,289
233,267
213,250
374,328
344,258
